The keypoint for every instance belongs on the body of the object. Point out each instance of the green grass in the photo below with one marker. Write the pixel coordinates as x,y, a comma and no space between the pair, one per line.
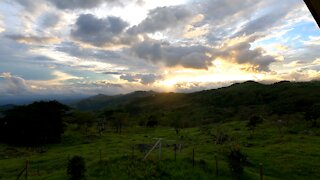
283,155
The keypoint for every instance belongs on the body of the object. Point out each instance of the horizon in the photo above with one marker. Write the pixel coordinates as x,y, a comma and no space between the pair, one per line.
70,99
50,49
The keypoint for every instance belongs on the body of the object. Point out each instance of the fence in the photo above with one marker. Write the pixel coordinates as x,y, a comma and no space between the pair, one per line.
37,168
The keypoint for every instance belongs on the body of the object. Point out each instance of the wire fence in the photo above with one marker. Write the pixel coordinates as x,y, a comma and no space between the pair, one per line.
37,168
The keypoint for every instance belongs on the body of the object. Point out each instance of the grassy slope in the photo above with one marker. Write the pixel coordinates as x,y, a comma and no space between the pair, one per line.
285,156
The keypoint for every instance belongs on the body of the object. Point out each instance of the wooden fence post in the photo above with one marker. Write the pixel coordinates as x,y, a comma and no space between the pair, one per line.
193,157
217,171
175,152
160,150
261,171
27,164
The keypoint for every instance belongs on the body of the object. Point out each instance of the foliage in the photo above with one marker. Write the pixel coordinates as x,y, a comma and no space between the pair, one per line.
220,136
84,120
237,161
253,122
313,114
152,121
76,168
176,121
238,101
37,123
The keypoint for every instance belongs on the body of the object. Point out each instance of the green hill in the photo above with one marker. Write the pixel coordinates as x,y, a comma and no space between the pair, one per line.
238,101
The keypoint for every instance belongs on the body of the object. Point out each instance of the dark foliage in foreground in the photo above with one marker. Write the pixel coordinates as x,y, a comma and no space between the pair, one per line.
237,160
34,124
76,168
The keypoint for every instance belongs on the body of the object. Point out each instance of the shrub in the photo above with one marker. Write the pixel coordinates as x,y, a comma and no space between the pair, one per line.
76,168
237,160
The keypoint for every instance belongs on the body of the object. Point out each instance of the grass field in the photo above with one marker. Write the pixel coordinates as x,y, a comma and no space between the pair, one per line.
285,154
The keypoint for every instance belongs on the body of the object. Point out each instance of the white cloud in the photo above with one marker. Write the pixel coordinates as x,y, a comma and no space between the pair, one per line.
12,85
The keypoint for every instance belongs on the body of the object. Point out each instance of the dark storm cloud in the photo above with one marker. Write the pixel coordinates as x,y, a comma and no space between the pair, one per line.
162,18
173,55
100,32
142,78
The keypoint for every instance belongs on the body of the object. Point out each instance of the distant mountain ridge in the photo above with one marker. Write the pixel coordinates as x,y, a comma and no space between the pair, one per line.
249,93
99,101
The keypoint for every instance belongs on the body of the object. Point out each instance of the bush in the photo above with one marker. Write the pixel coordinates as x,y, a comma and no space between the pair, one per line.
237,160
76,168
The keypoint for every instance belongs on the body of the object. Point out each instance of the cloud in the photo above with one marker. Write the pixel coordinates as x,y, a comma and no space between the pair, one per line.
81,52
173,55
85,4
13,85
241,52
50,20
267,20
30,39
29,5
188,87
301,75
2,28
100,31
162,18
142,78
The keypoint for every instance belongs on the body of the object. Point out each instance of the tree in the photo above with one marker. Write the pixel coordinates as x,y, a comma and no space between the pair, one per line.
84,120
76,168
313,114
176,121
152,121
253,122
118,120
34,124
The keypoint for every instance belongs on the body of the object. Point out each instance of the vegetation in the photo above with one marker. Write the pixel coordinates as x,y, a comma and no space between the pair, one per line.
76,168
37,123
113,140
237,160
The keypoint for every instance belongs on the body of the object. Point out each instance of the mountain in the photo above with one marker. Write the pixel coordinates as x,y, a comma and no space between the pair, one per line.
100,101
6,107
238,101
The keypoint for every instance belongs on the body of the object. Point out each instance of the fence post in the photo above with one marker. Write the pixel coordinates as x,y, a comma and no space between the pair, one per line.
217,171
132,152
100,155
27,164
175,152
193,157
261,171
160,150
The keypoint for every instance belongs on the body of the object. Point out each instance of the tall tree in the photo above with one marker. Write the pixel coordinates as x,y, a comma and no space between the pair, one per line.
37,123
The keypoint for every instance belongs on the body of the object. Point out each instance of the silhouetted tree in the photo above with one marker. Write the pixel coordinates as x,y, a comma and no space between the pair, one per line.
152,121
253,122
313,114
237,161
37,123
176,121
117,118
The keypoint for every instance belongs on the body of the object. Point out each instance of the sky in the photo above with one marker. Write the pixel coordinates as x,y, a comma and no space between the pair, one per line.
59,48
